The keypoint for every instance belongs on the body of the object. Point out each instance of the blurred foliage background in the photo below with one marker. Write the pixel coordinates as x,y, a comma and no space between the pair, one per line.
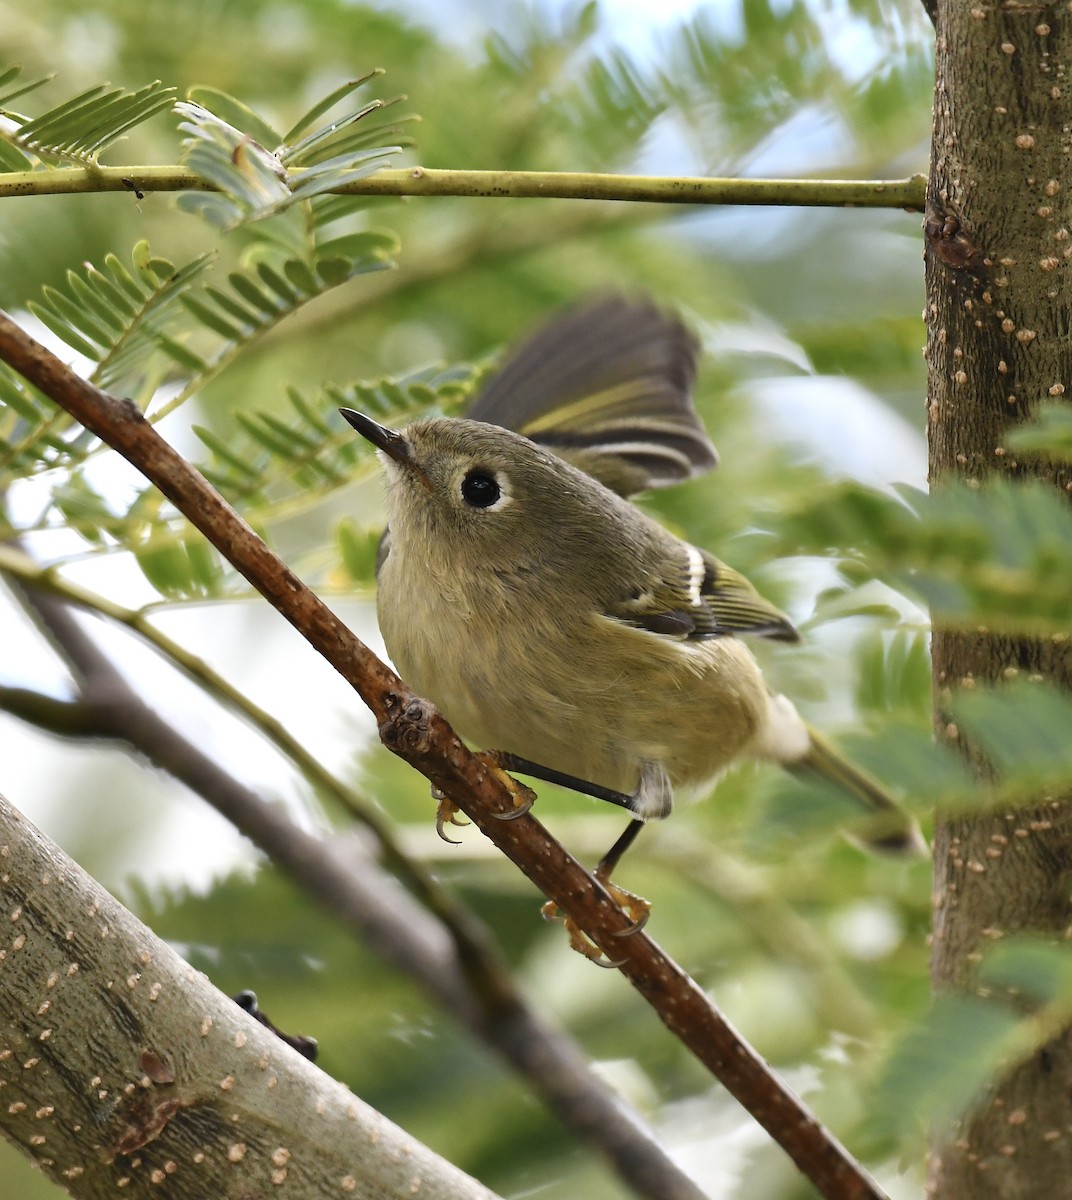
812,387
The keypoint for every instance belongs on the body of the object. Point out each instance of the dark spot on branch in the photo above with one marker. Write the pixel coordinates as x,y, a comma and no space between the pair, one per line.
407,728
129,410
948,240
155,1069
145,1121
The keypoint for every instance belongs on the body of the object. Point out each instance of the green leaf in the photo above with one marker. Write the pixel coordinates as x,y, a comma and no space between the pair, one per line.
335,173
254,180
211,319
895,672
126,322
231,307
252,294
325,105
278,284
80,128
280,445
1049,435
180,570
300,276
18,396
1033,969
83,508
1023,729
357,546
12,158
78,318
998,554
235,113
9,75
251,179
375,245
223,451
303,152
307,414
924,774
62,328
940,1067
335,271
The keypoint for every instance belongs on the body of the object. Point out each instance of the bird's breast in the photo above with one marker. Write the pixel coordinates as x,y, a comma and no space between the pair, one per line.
570,689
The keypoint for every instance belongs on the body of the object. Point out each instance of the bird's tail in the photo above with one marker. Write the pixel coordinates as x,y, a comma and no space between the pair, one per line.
891,830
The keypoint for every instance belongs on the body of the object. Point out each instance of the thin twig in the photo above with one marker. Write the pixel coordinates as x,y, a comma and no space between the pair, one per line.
552,185
414,729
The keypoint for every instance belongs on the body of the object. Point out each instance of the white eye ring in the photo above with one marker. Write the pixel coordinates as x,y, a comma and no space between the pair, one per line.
481,488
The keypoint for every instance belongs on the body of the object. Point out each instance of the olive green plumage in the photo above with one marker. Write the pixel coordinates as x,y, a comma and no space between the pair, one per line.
550,618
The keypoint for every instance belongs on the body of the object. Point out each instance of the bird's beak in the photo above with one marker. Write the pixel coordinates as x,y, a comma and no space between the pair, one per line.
390,441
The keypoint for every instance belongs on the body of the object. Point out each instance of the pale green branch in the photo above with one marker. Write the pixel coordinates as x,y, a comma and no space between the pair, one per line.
425,181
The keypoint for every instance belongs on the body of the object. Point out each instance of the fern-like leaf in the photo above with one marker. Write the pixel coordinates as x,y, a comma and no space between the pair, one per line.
300,458
999,555
124,319
9,75
253,177
11,157
322,107
78,130
31,437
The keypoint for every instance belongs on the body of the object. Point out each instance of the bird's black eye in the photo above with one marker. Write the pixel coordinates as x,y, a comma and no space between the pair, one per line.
480,488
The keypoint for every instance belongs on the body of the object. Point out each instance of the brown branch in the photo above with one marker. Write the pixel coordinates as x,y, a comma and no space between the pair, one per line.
412,728
463,972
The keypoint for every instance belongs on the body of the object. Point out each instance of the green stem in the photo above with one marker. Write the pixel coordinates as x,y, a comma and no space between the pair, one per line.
427,181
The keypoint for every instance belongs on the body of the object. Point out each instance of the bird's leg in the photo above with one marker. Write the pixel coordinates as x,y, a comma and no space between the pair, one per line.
513,762
636,907
652,798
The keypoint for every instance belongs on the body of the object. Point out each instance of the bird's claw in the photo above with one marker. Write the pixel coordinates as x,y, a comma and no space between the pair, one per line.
446,814
524,797
636,908
578,939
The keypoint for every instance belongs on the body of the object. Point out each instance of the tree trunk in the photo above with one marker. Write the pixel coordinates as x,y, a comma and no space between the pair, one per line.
998,254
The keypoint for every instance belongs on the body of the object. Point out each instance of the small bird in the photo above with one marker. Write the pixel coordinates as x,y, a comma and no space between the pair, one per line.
549,618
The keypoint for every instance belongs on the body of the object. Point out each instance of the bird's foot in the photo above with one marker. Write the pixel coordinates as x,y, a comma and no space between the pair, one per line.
446,814
523,797
635,907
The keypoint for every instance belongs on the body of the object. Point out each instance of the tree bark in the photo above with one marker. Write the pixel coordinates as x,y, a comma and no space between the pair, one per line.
998,254
122,1068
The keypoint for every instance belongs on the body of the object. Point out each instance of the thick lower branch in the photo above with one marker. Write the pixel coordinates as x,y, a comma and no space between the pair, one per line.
123,1068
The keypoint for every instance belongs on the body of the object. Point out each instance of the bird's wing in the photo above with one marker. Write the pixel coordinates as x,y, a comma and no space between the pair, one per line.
700,597
608,388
